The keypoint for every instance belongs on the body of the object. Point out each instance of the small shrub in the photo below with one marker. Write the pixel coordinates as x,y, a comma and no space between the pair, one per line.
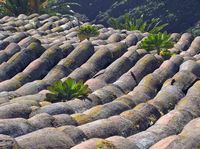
67,90
159,42
130,23
87,31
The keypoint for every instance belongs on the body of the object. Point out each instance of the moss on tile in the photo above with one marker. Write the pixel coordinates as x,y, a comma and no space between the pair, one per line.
68,62
93,112
44,103
81,118
104,144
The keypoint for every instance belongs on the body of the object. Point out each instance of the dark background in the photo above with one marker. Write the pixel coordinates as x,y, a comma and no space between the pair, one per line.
182,15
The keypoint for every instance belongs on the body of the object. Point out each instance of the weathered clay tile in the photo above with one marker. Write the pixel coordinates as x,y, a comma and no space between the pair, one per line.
45,138
15,127
8,142
74,133
41,120
101,128
188,138
53,109
14,110
121,143
63,119
132,88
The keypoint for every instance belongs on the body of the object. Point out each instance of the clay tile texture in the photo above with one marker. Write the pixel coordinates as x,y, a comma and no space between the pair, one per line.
138,99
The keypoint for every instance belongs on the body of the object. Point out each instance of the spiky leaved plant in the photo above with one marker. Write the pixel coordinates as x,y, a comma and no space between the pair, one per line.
130,23
16,7
54,7
87,31
159,42
67,90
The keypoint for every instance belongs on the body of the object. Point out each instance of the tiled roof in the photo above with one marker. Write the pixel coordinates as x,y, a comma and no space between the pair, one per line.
139,99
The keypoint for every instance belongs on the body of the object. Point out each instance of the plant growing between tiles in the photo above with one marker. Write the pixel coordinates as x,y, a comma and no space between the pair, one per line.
160,42
67,90
87,31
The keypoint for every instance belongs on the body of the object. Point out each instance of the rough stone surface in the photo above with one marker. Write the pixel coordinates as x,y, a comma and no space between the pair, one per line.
138,99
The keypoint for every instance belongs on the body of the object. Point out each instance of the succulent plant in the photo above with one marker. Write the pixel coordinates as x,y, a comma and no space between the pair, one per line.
67,90
87,31
159,42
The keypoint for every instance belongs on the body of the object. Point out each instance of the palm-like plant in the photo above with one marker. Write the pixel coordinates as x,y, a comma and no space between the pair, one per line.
159,42
87,31
16,7
67,90
130,23
53,7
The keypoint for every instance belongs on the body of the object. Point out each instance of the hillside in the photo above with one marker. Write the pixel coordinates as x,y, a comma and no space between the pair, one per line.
182,15
139,100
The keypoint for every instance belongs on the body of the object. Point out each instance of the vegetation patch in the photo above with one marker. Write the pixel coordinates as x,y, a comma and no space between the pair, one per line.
160,42
67,90
87,31
131,23
51,7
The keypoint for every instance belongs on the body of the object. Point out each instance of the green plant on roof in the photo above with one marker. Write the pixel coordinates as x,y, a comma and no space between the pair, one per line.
130,23
87,31
67,90
160,42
